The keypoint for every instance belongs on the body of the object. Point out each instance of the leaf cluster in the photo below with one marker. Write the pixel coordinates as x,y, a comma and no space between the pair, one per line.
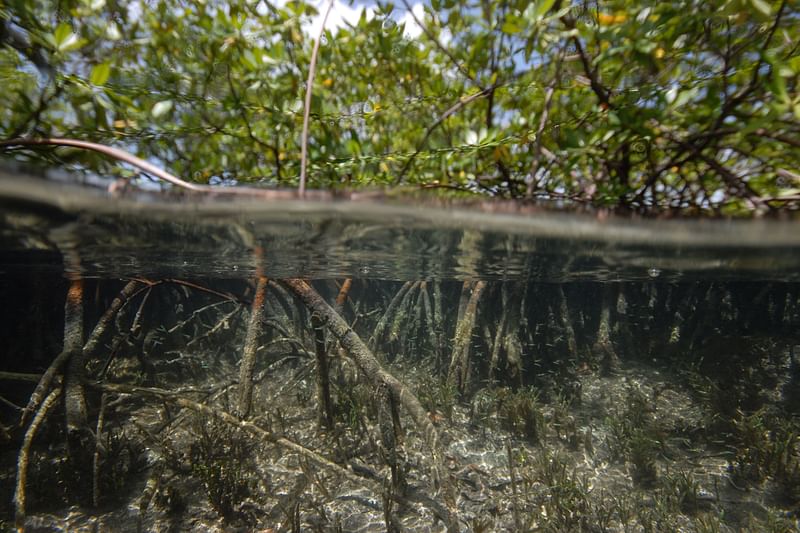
645,106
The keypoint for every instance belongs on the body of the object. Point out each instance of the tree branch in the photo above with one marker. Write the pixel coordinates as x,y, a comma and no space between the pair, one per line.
301,189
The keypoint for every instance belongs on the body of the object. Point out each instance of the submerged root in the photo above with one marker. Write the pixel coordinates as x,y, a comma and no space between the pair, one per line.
603,347
24,455
405,306
46,380
365,477
250,347
244,425
498,336
74,397
458,374
429,316
323,370
341,298
378,377
380,327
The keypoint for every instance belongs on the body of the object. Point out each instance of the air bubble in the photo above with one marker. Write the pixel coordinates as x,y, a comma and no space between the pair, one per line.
653,272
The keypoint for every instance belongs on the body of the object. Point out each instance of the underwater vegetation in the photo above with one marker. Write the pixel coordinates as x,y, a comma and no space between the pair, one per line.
401,406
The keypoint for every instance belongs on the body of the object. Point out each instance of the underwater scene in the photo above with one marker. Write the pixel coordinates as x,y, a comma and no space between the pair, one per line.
391,365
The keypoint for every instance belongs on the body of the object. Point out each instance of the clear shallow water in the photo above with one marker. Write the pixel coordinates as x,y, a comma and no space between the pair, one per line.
567,373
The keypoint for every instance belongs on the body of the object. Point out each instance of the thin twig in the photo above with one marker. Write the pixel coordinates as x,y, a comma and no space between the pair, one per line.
20,376
101,418
462,102
196,313
543,117
244,425
116,153
301,190
223,323
148,168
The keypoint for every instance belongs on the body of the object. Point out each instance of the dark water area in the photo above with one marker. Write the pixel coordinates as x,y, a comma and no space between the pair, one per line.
175,365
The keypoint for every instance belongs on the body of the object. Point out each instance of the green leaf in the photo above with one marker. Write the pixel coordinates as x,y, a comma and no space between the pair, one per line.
778,86
510,28
104,101
249,60
121,99
788,192
100,74
684,97
671,94
543,6
64,38
62,33
161,108
794,64
73,45
645,46
112,32
761,7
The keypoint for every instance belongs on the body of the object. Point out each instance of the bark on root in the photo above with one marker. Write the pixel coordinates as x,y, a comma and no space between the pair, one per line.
325,413
43,387
24,457
74,397
341,298
384,321
458,373
250,347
